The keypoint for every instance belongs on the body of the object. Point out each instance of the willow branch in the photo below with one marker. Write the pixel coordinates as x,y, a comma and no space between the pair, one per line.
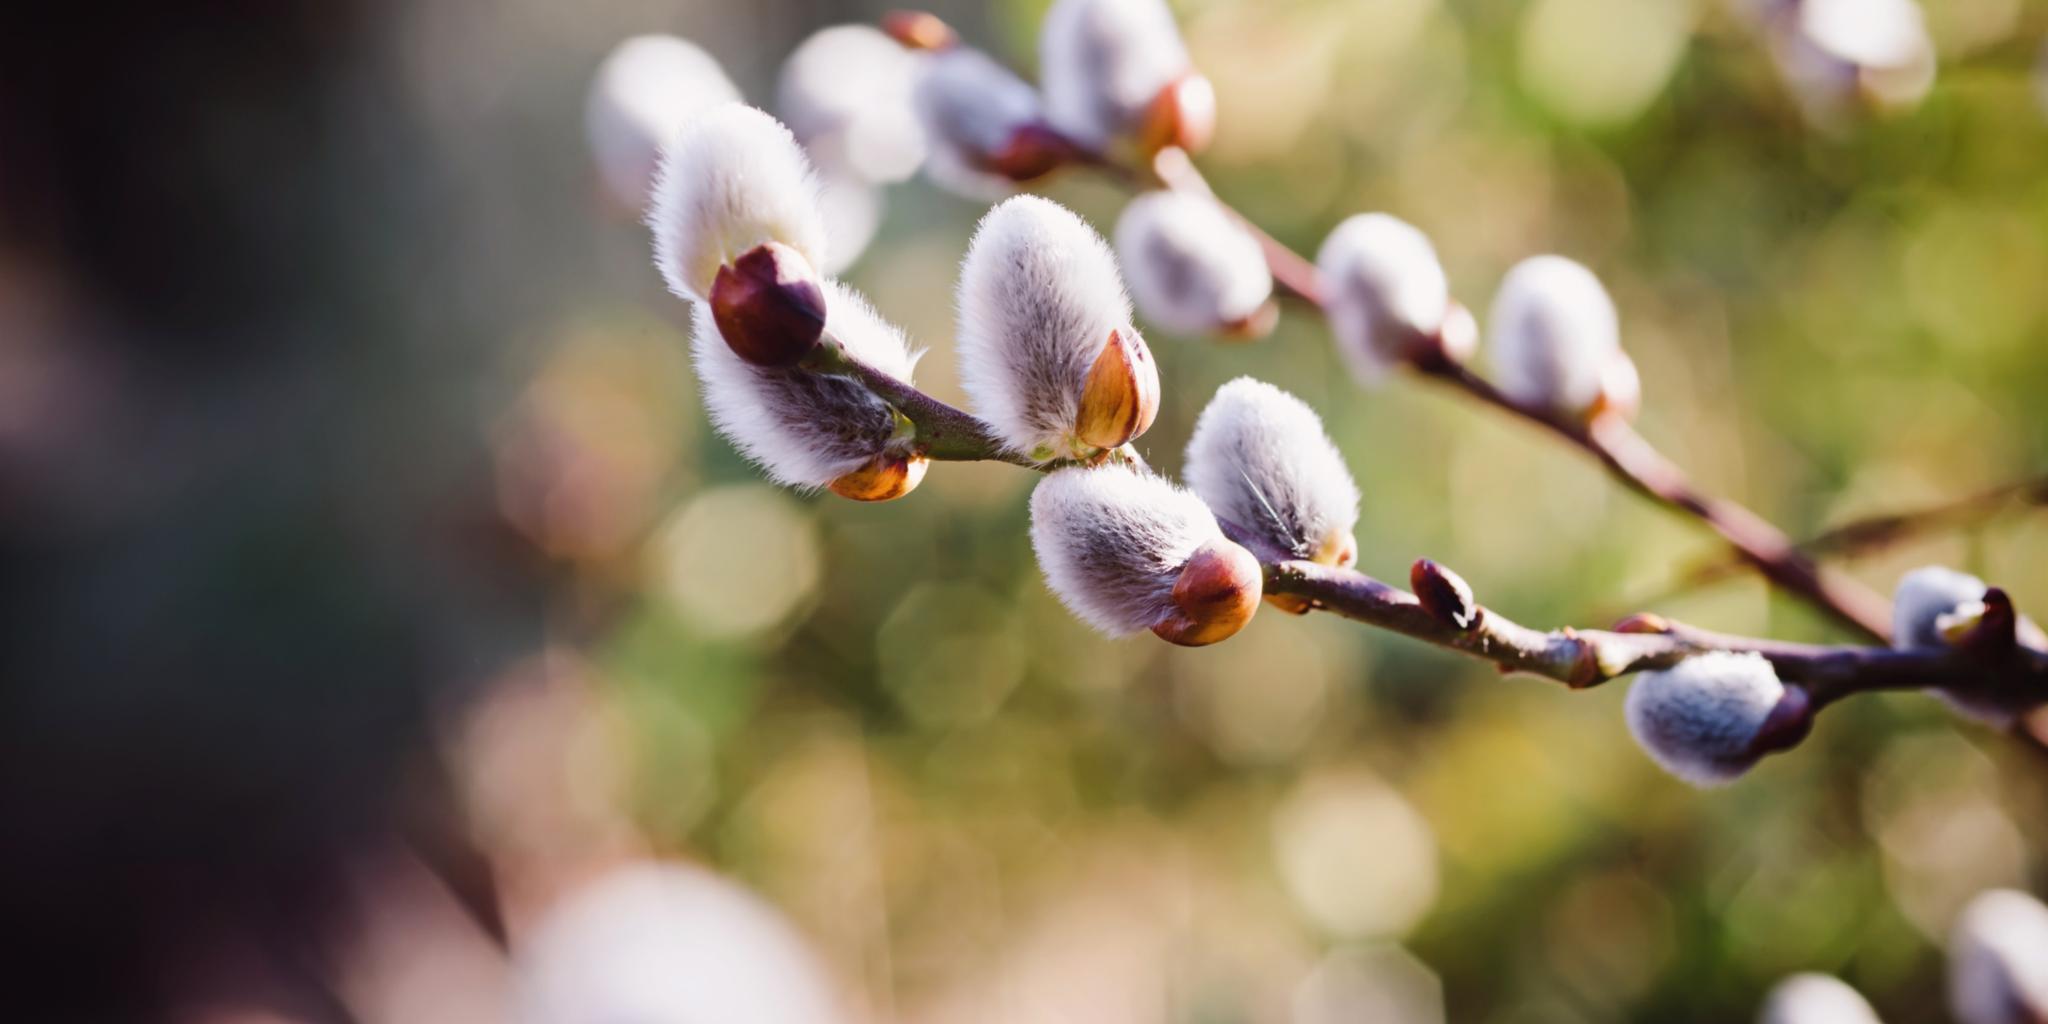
1626,455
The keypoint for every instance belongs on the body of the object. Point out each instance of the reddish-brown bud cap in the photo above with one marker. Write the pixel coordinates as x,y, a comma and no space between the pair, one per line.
1121,396
1182,115
919,30
768,305
884,478
1444,594
1787,724
1216,594
1031,151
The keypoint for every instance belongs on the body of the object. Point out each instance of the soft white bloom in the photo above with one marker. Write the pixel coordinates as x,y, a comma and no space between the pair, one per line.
732,179
668,944
1260,459
1553,333
1923,597
645,90
806,429
972,109
1193,269
846,93
1384,290
1103,62
1816,999
1039,297
1998,960
1112,541
1699,718
852,212
1839,57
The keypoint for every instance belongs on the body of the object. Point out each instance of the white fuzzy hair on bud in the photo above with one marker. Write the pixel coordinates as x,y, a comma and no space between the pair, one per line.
1998,960
1111,542
1813,998
1039,295
1385,290
671,944
733,179
1554,330
970,107
1259,458
851,208
1103,62
806,429
647,87
1698,718
1922,598
846,94
1192,268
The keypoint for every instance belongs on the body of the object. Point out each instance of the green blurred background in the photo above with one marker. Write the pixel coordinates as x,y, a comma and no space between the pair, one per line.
979,810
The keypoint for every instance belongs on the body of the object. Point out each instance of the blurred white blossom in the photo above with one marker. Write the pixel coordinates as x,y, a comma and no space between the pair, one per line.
975,112
1193,268
734,178
1841,57
1553,335
1384,289
1998,960
1815,999
642,94
1104,63
846,92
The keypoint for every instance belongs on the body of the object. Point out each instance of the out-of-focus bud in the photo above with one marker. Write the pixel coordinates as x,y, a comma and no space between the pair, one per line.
1182,115
733,179
645,90
668,943
1936,607
1259,458
846,94
982,124
1193,269
1923,597
1458,338
769,306
1841,58
1554,335
919,30
1116,71
1120,548
1039,294
1815,999
1621,389
1710,718
1121,397
1998,960
885,478
1216,594
1444,594
807,429
1385,292
852,209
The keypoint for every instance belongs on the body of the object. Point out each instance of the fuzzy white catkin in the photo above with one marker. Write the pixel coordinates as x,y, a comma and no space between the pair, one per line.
1383,287
733,178
1039,295
851,209
1259,458
1111,542
846,94
1697,718
1102,62
1998,960
1816,999
1922,598
970,105
668,944
1192,268
804,429
1553,331
642,94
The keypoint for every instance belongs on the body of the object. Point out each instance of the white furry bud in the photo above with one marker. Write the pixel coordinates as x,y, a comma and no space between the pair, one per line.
851,208
642,94
1260,459
1554,331
1102,63
1384,289
846,93
1193,269
972,109
732,179
806,429
1816,999
668,944
1700,719
1998,960
1922,598
1112,542
1039,297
